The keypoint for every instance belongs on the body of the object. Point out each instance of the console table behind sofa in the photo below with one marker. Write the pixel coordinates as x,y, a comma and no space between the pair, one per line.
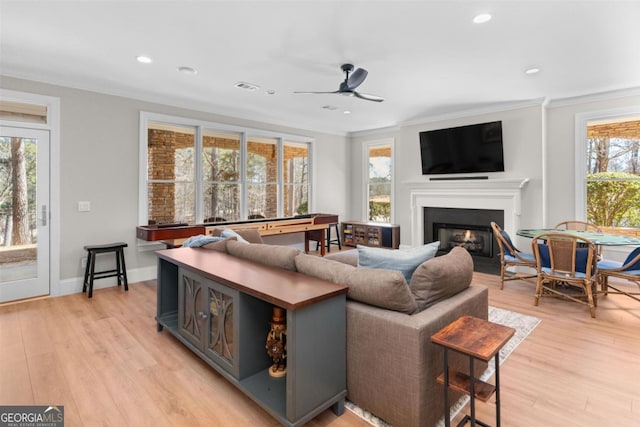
192,281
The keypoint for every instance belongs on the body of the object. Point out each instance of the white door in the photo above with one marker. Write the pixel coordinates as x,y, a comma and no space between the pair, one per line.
24,213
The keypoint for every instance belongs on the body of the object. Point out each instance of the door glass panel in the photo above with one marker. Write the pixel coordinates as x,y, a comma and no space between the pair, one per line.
18,209
221,324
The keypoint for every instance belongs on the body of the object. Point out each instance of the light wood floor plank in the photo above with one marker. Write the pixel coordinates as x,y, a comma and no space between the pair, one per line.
104,361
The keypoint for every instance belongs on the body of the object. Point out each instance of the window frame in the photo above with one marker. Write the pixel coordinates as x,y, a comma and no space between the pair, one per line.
581,122
200,126
367,145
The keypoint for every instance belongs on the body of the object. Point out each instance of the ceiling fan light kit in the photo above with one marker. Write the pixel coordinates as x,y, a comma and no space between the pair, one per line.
352,80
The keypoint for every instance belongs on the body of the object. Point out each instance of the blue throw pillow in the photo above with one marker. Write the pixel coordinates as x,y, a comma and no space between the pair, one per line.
403,260
227,232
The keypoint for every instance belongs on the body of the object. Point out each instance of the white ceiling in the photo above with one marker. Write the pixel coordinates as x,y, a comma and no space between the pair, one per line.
426,58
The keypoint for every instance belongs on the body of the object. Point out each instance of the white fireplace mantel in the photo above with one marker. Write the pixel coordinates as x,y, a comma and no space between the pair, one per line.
496,194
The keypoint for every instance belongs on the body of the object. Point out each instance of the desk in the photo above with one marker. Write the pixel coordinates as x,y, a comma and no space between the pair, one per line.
600,239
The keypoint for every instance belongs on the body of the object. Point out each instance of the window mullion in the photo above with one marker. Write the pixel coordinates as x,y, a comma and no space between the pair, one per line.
243,176
197,157
280,177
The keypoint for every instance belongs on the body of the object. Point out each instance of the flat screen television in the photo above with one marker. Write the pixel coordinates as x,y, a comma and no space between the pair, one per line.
463,149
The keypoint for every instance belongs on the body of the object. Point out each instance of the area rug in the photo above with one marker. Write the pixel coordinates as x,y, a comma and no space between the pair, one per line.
521,323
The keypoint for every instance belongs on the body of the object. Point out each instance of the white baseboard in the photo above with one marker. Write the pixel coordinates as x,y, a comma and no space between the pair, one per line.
74,285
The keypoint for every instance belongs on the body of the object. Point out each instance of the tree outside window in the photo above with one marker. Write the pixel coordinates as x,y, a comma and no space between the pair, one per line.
613,175
379,185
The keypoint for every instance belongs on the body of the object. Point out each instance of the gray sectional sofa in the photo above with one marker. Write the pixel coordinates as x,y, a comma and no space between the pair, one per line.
391,363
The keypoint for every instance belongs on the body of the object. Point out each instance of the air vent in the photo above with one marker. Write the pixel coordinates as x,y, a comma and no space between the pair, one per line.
247,86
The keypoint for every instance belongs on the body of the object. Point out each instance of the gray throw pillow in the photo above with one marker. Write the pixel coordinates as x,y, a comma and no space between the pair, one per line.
402,260
441,277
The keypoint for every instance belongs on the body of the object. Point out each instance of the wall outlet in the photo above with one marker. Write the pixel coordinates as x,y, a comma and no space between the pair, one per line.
84,206
83,262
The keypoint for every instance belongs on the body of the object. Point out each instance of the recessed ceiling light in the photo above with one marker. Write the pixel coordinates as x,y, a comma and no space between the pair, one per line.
531,71
481,18
144,59
347,112
187,70
247,86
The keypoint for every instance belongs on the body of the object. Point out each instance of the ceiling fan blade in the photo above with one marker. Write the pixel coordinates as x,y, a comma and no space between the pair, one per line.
316,93
368,97
356,78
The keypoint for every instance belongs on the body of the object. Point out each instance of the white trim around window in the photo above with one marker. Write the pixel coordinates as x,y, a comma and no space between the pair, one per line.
245,134
366,146
53,126
581,122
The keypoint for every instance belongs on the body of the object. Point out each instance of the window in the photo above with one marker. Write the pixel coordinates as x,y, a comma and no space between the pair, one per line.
295,171
221,176
205,172
379,182
171,174
613,173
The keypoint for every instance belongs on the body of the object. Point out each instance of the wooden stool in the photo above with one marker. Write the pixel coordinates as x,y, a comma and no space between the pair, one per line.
120,271
330,241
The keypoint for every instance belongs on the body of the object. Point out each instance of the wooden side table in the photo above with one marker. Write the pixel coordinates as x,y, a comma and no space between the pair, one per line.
478,339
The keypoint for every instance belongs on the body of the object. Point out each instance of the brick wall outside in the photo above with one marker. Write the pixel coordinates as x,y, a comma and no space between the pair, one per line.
162,145
630,129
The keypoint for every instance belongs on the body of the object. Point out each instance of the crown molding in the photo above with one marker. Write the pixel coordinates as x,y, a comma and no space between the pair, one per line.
593,97
494,108
223,111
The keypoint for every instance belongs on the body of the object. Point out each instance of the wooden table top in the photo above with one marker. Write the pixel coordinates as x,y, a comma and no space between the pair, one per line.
287,289
474,337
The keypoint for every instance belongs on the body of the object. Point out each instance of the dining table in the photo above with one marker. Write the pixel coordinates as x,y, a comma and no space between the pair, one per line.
599,239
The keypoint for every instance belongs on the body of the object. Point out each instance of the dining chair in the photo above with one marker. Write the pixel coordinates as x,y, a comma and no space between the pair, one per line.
566,263
578,226
627,270
581,226
510,256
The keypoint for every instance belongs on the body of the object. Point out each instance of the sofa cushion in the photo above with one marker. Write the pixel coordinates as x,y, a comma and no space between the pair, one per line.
251,235
441,277
403,260
346,257
227,232
220,245
277,256
381,288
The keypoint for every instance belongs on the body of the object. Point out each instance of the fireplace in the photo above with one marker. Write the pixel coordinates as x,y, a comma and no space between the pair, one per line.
458,202
468,228
478,240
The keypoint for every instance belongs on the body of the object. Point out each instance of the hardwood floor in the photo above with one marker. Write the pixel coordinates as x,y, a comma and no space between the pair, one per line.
104,361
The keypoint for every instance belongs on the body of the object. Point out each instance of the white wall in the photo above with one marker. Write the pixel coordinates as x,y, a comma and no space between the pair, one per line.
99,163
522,135
561,150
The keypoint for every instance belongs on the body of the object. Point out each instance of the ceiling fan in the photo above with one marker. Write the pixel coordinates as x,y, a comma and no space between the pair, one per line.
352,80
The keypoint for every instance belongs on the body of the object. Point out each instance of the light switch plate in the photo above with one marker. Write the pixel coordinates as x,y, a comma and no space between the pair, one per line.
84,206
